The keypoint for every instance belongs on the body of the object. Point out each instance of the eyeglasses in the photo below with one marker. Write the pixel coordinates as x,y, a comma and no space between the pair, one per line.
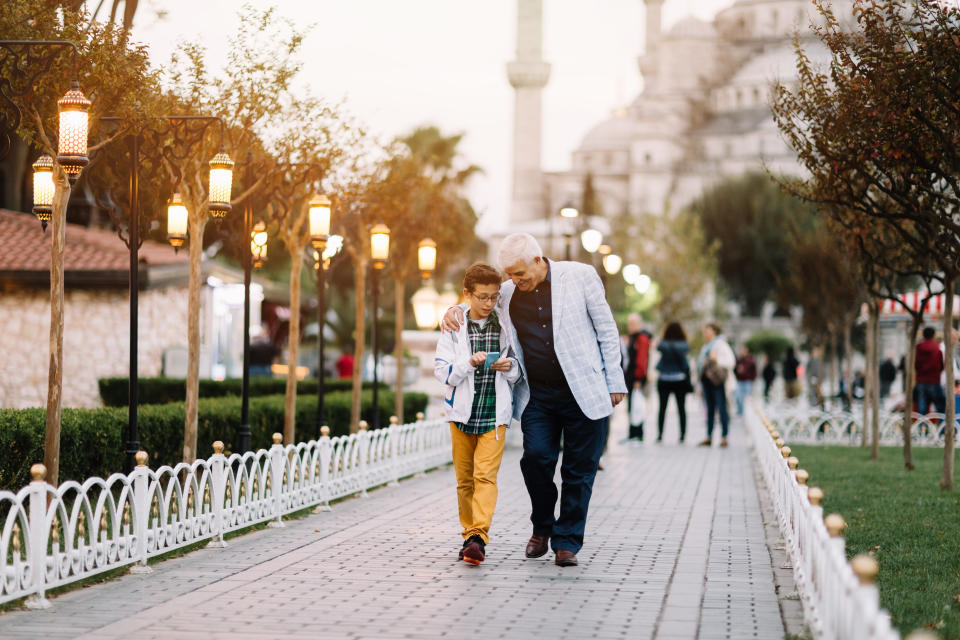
486,299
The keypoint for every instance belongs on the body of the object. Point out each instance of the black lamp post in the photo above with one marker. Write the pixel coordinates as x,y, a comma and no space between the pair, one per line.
570,213
243,432
379,252
319,234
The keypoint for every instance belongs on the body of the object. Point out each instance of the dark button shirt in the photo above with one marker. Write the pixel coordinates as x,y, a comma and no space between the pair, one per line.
532,315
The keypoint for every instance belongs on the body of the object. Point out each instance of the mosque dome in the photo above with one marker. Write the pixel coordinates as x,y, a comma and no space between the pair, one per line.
690,28
614,133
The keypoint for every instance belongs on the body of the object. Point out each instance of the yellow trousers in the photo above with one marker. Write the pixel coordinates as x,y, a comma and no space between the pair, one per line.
476,461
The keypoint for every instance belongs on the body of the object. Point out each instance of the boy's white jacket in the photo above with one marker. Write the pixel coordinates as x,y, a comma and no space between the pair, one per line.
452,367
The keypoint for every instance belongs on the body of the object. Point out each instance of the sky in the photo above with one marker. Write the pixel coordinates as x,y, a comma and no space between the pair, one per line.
400,64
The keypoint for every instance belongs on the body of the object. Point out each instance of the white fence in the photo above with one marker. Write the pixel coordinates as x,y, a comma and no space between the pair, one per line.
839,598
801,424
53,536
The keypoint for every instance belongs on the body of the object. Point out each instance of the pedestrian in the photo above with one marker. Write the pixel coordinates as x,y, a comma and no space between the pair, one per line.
769,375
716,363
746,373
638,355
345,365
789,371
888,374
569,353
673,376
479,365
928,366
814,364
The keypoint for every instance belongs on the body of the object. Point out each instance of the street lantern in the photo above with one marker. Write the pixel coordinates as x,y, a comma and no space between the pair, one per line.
424,303
604,250
591,239
630,273
176,222
43,189
569,212
446,299
258,244
642,285
380,245
611,263
427,257
319,221
221,185
74,126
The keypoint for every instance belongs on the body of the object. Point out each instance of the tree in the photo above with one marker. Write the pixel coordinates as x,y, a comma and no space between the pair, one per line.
112,71
877,130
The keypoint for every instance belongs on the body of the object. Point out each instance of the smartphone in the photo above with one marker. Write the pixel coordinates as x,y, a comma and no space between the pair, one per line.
492,357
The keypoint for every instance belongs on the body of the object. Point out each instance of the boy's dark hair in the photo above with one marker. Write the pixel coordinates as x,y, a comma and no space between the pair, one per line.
929,332
481,273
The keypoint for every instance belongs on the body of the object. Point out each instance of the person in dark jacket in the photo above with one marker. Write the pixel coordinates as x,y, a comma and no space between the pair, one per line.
929,366
746,373
674,375
888,373
635,373
790,383
769,375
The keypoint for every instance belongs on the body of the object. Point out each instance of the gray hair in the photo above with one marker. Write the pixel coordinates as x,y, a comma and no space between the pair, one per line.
518,247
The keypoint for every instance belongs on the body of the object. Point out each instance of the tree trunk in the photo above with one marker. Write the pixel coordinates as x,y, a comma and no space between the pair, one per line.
873,373
51,439
399,291
868,379
293,344
909,373
946,481
198,222
359,336
834,364
847,366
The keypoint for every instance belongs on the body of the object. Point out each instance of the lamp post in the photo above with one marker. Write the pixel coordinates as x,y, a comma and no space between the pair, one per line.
243,432
379,252
320,214
570,213
425,299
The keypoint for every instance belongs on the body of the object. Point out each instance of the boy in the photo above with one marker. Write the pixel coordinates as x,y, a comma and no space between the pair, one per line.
479,402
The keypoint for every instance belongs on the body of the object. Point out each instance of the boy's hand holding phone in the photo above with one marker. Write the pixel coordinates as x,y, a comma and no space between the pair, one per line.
478,358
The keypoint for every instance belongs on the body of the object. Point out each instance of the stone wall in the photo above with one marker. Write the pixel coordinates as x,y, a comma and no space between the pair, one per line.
96,341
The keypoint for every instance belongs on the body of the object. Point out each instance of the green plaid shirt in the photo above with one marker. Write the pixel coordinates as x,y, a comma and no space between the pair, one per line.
483,415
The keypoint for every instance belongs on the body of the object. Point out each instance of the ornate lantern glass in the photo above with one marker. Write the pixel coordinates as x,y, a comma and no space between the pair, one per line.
611,263
319,221
43,189
380,245
74,125
630,273
424,303
221,184
176,221
427,257
258,244
591,239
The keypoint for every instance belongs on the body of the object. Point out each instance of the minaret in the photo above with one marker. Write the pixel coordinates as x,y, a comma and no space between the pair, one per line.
652,30
528,75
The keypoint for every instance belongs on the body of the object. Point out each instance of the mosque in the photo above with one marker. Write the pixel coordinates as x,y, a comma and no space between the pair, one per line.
703,113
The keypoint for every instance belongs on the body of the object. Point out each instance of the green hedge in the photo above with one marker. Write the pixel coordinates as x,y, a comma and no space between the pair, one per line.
91,440
115,393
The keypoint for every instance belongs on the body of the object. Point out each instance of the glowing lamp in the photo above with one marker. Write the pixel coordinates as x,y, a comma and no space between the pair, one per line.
425,302
258,244
43,189
319,221
612,263
642,285
221,185
591,239
176,222
569,212
630,273
380,245
427,257
74,125
605,250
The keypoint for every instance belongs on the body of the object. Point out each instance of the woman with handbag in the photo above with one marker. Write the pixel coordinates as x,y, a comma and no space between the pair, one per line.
674,375
716,362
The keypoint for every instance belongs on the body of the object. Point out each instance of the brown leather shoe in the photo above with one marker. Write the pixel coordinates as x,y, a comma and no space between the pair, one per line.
565,558
723,443
705,443
537,546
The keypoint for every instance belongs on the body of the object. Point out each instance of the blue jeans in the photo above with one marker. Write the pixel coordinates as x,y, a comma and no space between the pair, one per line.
550,414
744,389
716,398
925,394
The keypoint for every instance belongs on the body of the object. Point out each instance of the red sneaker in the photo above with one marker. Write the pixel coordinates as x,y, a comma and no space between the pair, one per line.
474,551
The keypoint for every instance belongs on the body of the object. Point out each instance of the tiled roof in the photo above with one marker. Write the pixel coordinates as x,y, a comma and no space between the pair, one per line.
25,247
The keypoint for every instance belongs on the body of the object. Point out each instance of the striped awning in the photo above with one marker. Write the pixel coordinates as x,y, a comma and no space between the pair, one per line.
934,307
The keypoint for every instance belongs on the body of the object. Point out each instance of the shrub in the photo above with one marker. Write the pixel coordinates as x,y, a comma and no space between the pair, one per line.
92,440
769,342
114,391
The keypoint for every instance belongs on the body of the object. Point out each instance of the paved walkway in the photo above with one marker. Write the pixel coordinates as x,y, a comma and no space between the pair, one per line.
675,548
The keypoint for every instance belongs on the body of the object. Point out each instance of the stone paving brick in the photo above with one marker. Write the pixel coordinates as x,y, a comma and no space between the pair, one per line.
675,548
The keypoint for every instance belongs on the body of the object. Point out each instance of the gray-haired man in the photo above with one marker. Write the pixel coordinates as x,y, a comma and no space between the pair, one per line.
570,356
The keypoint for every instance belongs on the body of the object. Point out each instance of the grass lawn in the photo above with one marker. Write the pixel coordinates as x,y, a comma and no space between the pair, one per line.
904,520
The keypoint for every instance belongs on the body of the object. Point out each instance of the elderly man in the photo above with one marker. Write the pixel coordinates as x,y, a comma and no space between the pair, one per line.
570,357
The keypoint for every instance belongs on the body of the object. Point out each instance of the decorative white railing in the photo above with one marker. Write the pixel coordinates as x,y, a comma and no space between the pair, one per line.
839,598
53,536
809,425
